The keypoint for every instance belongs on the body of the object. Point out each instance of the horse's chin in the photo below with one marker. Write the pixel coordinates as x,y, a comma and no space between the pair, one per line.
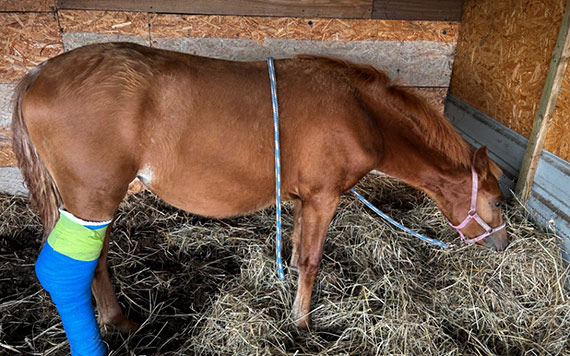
497,241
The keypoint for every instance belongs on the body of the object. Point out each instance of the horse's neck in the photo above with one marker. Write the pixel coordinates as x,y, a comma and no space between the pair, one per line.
426,171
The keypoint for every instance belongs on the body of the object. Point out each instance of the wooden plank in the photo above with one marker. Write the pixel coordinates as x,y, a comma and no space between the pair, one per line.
27,5
545,109
307,8
434,10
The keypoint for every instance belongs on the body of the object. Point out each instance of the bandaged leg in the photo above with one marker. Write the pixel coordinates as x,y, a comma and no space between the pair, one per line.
65,268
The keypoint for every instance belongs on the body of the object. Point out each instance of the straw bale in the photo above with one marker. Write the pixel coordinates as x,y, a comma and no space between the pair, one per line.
104,22
27,5
558,137
503,55
7,157
27,40
318,29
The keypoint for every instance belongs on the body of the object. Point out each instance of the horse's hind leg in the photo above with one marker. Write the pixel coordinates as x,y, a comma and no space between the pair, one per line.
68,260
296,235
110,312
316,215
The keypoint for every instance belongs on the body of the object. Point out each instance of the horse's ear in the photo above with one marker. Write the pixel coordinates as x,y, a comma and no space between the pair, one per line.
481,162
484,165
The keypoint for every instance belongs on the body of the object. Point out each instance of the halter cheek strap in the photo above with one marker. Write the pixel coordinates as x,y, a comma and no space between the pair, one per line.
472,214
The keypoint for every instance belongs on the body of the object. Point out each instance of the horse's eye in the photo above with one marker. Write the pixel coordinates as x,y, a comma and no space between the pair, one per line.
498,204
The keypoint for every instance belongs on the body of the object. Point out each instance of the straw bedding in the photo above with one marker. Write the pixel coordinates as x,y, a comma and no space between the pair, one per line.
209,287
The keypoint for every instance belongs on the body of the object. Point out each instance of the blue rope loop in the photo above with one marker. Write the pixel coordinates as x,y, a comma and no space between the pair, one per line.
397,224
278,243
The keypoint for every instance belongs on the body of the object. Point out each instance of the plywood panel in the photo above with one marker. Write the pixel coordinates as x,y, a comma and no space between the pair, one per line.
438,10
318,29
410,63
316,8
503,54
6,90
27,40
558,137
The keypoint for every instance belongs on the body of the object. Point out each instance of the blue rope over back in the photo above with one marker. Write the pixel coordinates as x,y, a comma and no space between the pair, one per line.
278,243
397,224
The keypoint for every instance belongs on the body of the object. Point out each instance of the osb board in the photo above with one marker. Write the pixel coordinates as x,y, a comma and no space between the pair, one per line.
27,5
75,40
6,91
558,137
503,54
104,22
7,157
260,28
27,40
411,63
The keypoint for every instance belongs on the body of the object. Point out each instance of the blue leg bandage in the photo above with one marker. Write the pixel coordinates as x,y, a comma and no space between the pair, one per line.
65,268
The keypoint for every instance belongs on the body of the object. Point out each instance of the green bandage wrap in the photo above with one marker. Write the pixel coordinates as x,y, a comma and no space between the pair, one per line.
75,240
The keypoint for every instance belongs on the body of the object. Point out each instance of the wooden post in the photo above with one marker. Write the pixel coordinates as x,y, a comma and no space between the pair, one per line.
543,117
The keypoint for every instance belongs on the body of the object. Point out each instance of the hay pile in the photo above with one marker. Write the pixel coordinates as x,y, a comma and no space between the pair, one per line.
207,287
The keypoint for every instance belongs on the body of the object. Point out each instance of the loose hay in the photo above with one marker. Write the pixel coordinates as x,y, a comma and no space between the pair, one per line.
208,287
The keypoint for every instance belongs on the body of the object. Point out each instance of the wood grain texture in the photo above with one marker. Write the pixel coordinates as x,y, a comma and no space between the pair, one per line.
435,10
316,8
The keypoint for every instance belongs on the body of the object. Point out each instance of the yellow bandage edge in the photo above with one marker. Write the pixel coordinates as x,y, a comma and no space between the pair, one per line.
76,241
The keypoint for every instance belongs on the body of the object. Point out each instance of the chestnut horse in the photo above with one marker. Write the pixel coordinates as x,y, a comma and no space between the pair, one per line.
198,133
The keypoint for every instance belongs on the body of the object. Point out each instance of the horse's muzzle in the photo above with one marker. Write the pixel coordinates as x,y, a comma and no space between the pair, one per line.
497,241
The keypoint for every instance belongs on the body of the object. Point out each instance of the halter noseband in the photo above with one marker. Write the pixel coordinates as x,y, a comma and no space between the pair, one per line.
472,214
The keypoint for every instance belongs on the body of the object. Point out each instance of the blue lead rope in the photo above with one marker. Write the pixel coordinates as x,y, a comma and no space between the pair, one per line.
397,224
278,243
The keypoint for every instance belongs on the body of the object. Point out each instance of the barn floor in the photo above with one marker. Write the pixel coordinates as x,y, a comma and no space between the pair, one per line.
207,287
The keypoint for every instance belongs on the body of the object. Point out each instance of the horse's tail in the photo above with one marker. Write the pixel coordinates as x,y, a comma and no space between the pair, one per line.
43,191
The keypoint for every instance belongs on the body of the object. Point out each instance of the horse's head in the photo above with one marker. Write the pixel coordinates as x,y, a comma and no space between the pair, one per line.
477,215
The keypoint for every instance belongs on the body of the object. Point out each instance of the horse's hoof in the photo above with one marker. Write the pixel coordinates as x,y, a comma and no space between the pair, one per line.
304,323
124,326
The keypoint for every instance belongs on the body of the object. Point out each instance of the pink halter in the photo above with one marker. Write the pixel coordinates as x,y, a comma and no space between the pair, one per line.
472,214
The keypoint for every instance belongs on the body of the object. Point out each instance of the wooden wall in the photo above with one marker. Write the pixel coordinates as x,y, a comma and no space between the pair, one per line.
503,54
558,137
417,53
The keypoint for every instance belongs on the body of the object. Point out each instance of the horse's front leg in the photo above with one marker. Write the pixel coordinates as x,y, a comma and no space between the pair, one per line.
317,212
110,312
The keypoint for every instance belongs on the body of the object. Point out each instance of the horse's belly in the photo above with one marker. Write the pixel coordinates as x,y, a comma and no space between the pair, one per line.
213,195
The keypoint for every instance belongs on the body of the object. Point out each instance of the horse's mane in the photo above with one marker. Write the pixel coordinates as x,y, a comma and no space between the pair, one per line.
428,124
